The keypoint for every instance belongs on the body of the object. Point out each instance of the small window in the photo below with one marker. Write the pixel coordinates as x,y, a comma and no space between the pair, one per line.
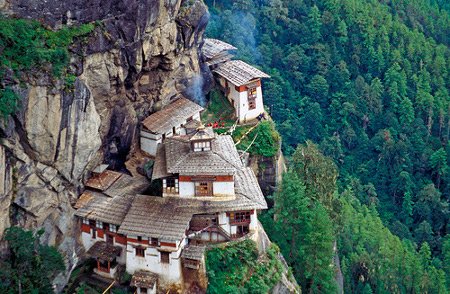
144,290
113,228
170,182
154,241
251,98
203,189
99,224
140,251
139,239
85,221
165,257
94,233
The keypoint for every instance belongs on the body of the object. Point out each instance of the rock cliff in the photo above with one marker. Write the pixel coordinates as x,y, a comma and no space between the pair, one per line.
140,55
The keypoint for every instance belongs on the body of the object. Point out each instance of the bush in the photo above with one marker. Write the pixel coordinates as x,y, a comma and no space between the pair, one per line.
26,45
267,141
235,268
31,266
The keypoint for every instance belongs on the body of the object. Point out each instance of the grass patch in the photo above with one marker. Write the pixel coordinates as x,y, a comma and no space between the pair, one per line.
218,109
26,45
236,268
266,143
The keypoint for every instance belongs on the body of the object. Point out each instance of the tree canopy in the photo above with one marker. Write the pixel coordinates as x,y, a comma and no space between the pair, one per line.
31,266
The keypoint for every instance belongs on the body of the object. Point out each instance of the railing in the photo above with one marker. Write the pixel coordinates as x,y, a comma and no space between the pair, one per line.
240,222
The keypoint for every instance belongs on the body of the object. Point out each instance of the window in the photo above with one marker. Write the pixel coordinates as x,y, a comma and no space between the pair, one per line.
202,146
165,257
170,185
139,239
94,233
140,251
113,228
154,241
251,98
203,189
99,224
85,221
143,290
240,217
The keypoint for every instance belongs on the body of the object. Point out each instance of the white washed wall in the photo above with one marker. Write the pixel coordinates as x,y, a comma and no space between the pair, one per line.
170,273
223,188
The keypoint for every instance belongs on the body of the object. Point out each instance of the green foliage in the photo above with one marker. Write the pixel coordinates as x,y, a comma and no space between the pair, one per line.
31,266
368,82
218,109
8,102
266,143
304,231
236,268
373,256
26,45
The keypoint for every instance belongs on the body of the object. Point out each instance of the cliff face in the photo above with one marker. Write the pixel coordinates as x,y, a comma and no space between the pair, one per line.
140,55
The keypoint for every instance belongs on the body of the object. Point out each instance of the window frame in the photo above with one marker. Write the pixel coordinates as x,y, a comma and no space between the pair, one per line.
166,259
139,251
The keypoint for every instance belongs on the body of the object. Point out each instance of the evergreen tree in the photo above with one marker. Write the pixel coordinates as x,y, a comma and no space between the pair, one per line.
31,265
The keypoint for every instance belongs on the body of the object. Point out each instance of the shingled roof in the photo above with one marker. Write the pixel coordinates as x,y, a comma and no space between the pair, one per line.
174,114
168,218
239,73
213,47
103,181
175,156
193,252
143,279
104,251
156,217
127,185
105,209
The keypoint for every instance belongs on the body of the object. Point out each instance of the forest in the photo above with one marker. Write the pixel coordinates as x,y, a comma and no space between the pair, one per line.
359,91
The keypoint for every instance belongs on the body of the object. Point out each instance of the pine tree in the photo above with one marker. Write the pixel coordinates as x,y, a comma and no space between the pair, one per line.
317,252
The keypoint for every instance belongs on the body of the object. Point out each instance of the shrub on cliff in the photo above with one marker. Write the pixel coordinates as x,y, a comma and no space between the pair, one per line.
236,268
31,265
26,45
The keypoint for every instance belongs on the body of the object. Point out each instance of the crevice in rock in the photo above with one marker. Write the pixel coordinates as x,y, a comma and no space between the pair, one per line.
23,139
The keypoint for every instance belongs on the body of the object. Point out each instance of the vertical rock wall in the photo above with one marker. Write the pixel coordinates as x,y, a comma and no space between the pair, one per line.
139,57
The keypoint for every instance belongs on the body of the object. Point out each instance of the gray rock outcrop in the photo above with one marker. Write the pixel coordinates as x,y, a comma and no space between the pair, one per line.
140,56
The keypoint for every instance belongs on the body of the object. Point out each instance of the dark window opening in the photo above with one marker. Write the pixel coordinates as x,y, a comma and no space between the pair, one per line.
170,182
154,241
165,257
242,230
140,251
109,239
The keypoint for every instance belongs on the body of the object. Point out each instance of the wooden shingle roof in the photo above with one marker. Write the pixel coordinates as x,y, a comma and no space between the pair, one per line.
213,47
239,73
156,217
193,252
175,156
174,114
104,251
103,181
106,209
127,185
143,279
